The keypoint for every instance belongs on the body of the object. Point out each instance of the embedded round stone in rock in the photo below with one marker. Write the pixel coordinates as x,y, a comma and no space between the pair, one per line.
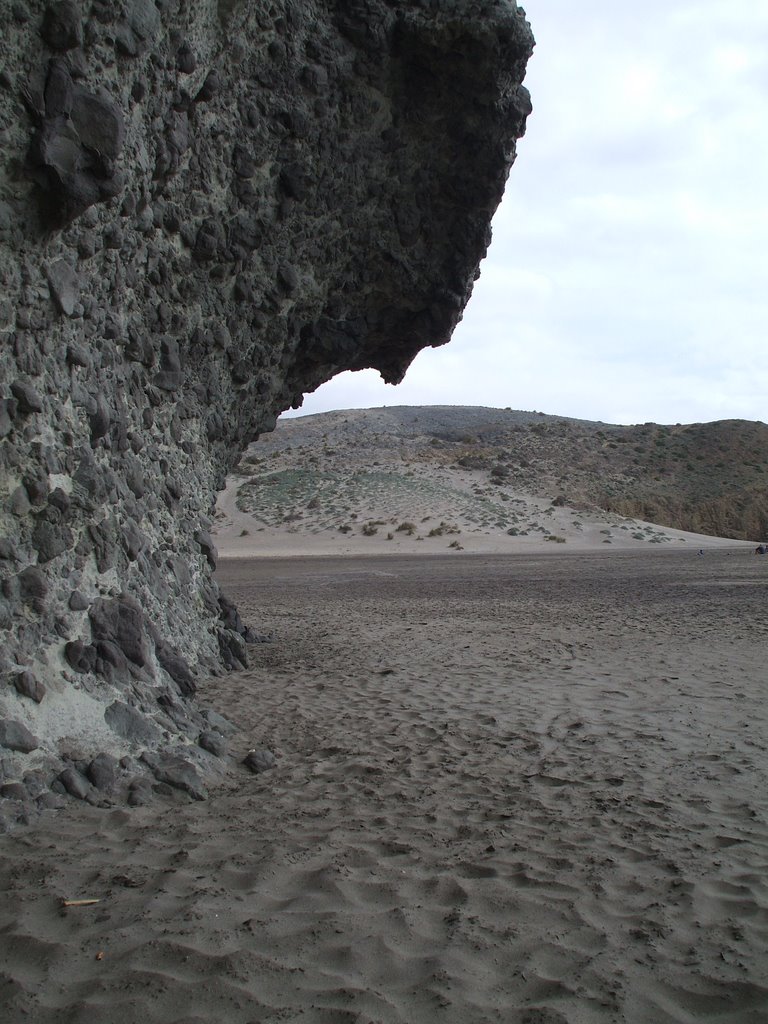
18,503
129,723
99,122
33,584
218,722
65,286
213,743
82,657
50,801
121,622
102,771
28,398
180,774
209,88
14,791
50,540
6,424
176,667
74,783
140,792
77,602
99,419
259,761
16,736
28,686
288,277
143,17
207,546
185,59
61,26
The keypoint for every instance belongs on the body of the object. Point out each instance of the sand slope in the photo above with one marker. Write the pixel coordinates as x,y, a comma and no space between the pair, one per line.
428,511
489,479
526,790
428,480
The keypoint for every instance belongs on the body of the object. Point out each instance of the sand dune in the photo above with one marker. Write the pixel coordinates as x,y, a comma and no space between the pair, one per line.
526,790
431,514
434,479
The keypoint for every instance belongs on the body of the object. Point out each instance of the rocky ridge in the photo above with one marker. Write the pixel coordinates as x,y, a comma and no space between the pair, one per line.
206,210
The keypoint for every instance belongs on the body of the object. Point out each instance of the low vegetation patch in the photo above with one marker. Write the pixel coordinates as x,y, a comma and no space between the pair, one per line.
443,528
371,528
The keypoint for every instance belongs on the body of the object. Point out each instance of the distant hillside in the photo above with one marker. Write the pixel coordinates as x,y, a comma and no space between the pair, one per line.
709,478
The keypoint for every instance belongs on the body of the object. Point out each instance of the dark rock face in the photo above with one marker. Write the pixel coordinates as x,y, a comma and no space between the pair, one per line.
205,211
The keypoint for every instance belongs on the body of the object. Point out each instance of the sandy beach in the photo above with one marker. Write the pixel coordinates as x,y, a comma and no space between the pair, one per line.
528,789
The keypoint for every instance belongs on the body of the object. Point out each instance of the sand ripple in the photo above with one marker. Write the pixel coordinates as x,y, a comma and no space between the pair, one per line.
529,792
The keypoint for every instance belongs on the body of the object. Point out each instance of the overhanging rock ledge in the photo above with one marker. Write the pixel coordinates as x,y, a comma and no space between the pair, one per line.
206,210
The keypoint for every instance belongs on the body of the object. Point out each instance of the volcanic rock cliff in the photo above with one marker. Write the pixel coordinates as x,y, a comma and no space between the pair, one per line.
206,210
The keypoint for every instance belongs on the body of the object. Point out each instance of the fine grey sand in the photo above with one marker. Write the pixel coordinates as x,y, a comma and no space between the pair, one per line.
529,788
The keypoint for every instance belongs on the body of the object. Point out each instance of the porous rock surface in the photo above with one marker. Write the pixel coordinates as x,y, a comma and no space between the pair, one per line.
206,210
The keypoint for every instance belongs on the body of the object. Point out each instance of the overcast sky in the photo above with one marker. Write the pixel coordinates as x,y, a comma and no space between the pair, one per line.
626,281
